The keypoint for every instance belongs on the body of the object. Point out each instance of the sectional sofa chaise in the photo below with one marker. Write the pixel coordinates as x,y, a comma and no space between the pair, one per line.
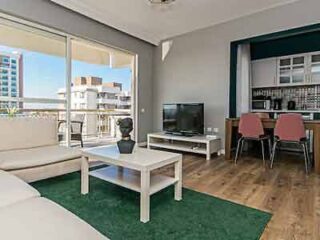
29,149
24,214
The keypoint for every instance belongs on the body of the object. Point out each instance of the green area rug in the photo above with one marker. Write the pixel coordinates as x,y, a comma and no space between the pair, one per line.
114,211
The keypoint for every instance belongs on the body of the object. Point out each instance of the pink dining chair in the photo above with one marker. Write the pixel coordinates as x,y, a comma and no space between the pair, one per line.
250,128
290,128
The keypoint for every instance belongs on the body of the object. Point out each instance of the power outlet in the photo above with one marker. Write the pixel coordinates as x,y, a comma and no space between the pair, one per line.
216,130
209,129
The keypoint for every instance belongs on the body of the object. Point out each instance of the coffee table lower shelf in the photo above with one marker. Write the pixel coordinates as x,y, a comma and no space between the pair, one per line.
131,179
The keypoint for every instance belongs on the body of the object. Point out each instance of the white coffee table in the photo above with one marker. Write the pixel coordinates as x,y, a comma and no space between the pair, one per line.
133,171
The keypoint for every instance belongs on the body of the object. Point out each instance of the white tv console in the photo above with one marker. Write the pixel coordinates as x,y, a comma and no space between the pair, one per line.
195,144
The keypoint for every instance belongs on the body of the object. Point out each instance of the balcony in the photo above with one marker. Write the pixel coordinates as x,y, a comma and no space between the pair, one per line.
99,126
107,101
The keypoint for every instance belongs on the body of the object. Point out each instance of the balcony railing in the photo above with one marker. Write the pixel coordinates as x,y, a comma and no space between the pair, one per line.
99,126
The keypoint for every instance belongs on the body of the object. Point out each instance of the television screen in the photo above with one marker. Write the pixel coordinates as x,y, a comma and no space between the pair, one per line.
187,119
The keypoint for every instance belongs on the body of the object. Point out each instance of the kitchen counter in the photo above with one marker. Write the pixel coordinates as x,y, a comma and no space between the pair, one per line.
286,110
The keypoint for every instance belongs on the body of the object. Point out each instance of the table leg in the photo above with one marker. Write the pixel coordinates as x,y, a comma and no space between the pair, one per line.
208,151
148,142
228,139
84,175
178,176
145,197
316,149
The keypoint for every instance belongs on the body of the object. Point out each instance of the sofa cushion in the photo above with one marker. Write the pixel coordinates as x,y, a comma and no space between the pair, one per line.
13,190
34,157
40,218
27,132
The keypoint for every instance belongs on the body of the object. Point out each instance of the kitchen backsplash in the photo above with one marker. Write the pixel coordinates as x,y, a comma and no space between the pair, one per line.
305,97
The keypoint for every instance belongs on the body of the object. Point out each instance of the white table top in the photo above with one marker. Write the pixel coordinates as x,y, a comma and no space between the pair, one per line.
140,159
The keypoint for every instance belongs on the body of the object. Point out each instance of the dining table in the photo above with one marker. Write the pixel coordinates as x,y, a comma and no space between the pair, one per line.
312,125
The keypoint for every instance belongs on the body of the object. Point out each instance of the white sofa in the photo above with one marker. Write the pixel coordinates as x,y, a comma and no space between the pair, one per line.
29,148
24,214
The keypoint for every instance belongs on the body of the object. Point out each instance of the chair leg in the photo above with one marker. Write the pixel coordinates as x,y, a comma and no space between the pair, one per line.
240,142
308,156
81,141
273,153
270,148
262,150
306,161
241,148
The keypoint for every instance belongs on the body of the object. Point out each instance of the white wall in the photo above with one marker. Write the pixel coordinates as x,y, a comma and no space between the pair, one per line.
197,66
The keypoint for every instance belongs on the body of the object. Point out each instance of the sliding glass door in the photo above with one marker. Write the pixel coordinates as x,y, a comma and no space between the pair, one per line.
101,91
32,70
47,73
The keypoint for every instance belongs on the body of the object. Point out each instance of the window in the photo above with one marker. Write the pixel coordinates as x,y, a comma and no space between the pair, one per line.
102,73
37,61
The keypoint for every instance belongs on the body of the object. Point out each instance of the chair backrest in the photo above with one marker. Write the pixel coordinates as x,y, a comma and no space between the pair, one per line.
250,125
290,127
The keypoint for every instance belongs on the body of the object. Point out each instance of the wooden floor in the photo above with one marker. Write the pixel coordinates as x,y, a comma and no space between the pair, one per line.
292,197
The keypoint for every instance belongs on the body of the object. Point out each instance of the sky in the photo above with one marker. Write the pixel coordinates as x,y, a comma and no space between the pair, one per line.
44,74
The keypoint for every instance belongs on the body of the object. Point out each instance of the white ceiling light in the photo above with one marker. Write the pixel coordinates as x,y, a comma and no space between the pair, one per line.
162,5
161,2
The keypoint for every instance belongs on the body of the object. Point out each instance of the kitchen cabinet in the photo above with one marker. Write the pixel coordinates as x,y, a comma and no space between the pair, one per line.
314,68
292,70
264,72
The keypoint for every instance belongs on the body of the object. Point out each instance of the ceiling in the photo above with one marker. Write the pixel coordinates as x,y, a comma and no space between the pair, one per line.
153,24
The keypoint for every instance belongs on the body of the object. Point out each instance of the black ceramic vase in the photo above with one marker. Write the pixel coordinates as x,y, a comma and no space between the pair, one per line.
126,144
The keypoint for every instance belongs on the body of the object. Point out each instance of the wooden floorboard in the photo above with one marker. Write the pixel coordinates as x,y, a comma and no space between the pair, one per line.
285,191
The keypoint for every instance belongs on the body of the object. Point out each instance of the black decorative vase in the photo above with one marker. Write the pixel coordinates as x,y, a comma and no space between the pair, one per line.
126,144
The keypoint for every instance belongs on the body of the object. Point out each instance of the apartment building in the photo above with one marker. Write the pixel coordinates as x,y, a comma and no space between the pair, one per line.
91,93
11,78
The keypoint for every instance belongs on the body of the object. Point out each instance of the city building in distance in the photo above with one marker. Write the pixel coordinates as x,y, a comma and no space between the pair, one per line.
11,78
91,93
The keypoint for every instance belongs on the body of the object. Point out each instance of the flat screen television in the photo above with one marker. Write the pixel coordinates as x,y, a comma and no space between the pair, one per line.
183,118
